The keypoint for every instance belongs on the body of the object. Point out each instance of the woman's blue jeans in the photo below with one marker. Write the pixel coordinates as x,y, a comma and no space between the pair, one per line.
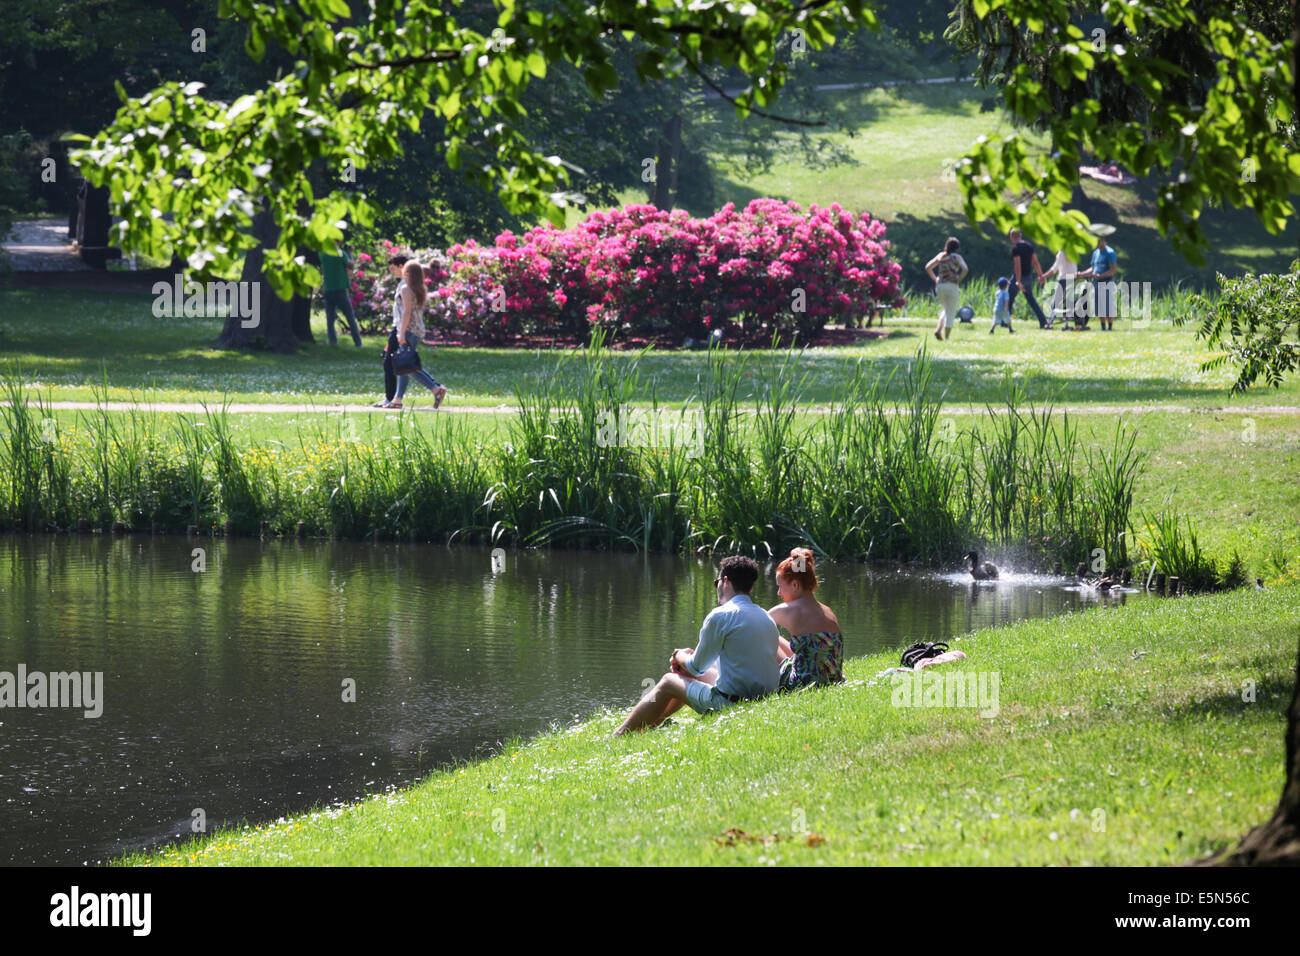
413,341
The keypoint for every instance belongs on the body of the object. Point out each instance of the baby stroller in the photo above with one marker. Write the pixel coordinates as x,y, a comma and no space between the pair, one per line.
1073,304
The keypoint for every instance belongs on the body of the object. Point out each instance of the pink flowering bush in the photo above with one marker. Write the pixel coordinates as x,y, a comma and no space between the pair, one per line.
639,271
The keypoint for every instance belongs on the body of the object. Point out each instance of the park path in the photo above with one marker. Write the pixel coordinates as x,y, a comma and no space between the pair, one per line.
270,408
41,245
820,87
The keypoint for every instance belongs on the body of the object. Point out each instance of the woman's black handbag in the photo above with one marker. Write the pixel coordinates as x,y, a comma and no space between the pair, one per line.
406,360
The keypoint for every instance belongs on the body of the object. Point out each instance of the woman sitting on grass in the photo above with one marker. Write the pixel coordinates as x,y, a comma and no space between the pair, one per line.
815,652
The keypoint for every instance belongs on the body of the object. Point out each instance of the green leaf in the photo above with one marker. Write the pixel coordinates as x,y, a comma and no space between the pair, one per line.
256,43
601,77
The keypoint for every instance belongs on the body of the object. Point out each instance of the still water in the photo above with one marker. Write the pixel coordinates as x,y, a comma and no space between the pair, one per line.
224,677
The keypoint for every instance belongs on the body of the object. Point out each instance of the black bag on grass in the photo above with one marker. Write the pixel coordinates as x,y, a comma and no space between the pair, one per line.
920,651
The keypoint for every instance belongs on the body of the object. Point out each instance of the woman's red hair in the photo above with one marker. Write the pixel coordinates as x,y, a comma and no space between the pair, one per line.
799,567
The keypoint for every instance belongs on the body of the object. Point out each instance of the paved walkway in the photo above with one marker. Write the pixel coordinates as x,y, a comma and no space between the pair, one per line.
41,245
713,95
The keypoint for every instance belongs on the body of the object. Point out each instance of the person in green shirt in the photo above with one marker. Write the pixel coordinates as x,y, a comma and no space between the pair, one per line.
334,289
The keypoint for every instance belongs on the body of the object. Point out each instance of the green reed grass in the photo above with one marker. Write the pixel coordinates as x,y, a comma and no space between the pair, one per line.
31,499
188,470
1170,550
871,479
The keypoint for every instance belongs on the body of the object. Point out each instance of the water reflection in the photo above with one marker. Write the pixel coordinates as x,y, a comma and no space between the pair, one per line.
224,688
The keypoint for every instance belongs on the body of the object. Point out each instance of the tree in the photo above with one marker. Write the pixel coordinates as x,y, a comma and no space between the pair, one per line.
59,61
1255,320
281,324
1199,93
355,87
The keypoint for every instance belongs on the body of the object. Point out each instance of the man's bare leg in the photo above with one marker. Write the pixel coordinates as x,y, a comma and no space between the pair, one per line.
653,707
710,677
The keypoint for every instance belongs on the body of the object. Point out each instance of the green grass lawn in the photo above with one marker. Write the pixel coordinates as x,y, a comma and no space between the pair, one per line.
1146,734
65,343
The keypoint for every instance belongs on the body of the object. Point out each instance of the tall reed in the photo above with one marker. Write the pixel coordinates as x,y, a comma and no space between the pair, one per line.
1114,475
29,500
1167,549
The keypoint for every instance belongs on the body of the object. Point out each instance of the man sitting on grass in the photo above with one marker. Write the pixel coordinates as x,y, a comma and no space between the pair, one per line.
738,635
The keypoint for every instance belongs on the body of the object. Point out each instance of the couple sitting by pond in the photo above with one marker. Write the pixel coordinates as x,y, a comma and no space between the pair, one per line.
741,655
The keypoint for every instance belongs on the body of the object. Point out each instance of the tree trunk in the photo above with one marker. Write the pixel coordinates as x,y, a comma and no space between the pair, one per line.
670,149
281,325
1277,842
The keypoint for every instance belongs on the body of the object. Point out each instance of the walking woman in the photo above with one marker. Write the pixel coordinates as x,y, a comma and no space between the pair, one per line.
396,262
947,269
408,330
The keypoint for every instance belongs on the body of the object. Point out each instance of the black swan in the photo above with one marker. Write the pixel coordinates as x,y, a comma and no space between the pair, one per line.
980,572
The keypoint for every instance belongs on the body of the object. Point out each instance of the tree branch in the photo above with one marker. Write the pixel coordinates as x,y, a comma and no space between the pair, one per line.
753,109
441,56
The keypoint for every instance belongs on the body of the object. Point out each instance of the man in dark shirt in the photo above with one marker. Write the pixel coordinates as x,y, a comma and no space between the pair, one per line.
1025,272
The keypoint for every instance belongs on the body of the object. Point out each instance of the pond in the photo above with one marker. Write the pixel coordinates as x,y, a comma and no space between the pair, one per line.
226,674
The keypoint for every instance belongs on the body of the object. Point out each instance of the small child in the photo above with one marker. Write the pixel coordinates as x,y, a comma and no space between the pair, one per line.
1001,309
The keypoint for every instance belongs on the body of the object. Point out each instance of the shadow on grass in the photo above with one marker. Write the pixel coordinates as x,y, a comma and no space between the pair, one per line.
1272,694
178,366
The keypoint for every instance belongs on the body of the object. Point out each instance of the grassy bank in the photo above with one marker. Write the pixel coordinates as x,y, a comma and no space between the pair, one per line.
1121,738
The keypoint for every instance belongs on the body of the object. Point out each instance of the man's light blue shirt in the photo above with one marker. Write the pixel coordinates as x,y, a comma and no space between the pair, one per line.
743,639
1103,259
